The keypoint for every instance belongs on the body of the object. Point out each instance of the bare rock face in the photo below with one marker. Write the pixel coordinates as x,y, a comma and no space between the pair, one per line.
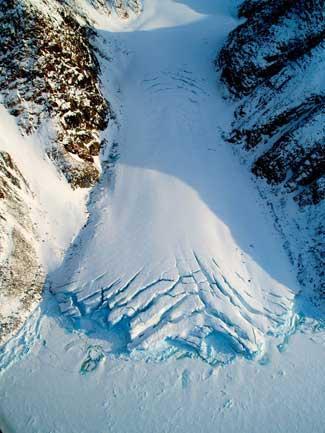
49,71
275,33
21,276
273,65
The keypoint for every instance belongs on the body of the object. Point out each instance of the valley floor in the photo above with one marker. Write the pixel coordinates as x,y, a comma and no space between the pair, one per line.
45,392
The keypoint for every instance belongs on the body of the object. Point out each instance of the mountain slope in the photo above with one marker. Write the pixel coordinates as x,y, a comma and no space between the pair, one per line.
274,63
50,85
49,71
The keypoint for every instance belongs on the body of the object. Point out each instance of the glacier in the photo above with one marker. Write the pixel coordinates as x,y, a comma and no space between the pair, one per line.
189,256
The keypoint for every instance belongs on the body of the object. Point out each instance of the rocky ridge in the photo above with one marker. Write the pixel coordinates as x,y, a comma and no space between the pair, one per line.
50,83
273,65
49,71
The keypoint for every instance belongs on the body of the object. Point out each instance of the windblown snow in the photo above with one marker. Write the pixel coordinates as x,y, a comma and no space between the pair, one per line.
179,252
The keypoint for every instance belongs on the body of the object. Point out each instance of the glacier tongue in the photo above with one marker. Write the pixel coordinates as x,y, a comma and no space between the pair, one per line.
179,253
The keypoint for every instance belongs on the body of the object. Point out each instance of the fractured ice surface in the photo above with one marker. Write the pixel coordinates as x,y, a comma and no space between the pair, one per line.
192,307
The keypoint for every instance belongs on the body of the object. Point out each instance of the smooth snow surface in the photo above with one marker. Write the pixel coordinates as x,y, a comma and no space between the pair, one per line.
179,263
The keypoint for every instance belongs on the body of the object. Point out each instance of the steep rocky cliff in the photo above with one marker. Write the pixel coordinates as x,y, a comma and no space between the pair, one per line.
50,84
49,71
273,66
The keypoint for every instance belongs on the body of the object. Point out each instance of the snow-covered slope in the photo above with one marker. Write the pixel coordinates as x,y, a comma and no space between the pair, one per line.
34,203
19,262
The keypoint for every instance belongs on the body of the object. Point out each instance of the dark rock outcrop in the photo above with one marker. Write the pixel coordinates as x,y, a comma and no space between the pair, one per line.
49,71
273,65
275,33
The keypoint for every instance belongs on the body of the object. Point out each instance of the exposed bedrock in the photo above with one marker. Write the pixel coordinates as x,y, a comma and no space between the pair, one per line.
273,66
50,71
275,33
